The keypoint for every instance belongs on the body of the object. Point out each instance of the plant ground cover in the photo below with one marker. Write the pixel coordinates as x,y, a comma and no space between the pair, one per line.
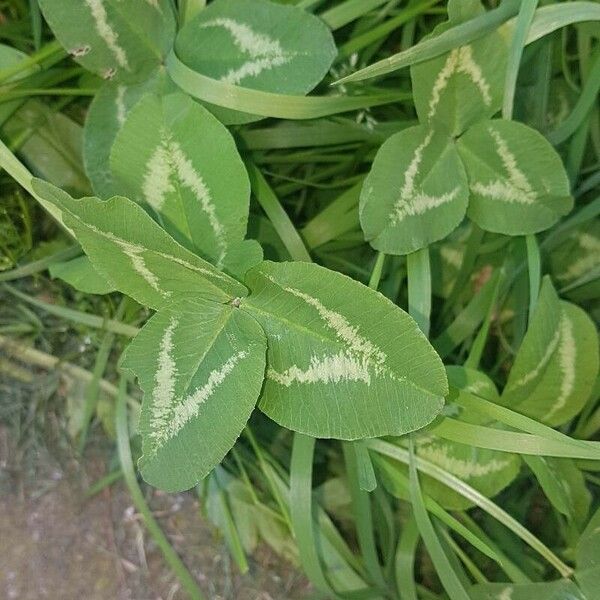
333,265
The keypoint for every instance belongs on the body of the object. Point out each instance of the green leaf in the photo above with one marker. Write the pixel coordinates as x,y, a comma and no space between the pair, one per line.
116,40
201,366
176,159
564,485
335,369
488,471
80,274
563,589
50,144
105,117
557,363
517,180
588,558
258,45
134,254
408,200
465,85
578,255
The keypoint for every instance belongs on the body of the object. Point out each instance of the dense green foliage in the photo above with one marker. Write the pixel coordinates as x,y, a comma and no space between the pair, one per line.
362,318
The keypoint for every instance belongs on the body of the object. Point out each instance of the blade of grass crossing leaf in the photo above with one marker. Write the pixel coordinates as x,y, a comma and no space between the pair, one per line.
231,534
446,41
124,449
444,568
585,102
267,471
477,498
92,389
478,345
523,23
377,271
514,573
362,514
467,320
302,511
555,16
481,436
37,266
348,11
419,288
465,559
523,423
74,315
466,266
268,104
373,35
404,563
402,481
275,212
534,265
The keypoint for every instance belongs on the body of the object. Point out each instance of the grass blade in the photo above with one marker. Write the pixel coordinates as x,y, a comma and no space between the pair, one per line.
173,560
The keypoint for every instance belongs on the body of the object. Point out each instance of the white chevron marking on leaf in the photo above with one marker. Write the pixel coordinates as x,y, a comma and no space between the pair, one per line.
586,263
348,333
567,355
460,60
413,202
505,594
351,364
134,251
452,256
107,33
265,52
120,103
164,379
169,160
464,469
525,379
188,409
515,188
328,369
157,179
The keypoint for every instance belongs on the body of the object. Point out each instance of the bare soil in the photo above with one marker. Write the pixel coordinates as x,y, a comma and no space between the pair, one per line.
56,544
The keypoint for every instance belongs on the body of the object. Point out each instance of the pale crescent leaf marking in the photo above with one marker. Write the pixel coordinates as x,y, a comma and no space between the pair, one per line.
514,188
164,380
352,364
329,369
348,333
506,593
168,160
413,202
452,256
107,33
157,178
134,252
120,104
265,52
586,263
461,468
567,355
531,375
460,60
167,417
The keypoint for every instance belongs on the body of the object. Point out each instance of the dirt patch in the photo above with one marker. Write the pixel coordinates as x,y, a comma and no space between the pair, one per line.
56,544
